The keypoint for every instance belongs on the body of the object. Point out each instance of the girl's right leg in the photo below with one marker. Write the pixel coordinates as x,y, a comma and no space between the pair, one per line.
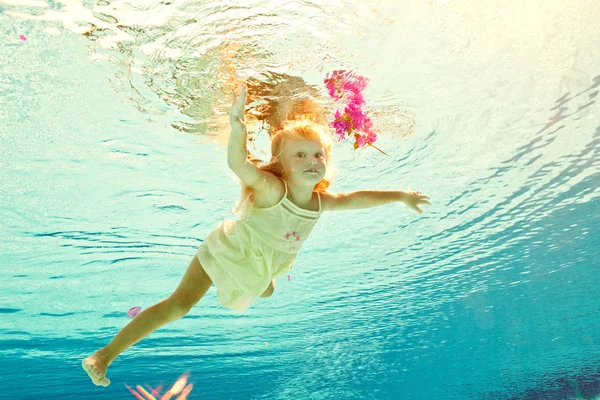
194,284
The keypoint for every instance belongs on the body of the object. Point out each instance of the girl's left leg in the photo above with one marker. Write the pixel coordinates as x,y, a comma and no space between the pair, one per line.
194,284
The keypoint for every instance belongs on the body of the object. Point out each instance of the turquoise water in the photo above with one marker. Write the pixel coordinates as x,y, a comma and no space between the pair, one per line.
113,129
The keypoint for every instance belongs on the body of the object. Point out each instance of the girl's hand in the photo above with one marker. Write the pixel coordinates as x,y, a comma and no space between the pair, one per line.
413,198
236,115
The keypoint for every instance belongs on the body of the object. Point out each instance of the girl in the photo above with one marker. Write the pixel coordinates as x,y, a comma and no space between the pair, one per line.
281,203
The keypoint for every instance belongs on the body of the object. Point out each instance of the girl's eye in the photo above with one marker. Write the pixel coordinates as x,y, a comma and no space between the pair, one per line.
319,154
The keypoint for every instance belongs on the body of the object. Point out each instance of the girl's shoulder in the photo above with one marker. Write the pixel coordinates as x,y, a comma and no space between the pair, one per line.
331,201
272,194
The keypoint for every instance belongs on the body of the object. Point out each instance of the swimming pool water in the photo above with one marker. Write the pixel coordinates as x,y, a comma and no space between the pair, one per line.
113,130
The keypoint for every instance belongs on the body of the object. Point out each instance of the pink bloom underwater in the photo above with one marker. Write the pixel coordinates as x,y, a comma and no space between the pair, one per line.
363,140
360,120
341,124
133,311
352,121
341,84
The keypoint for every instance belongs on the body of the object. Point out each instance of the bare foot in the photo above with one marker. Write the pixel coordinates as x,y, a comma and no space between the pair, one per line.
95,366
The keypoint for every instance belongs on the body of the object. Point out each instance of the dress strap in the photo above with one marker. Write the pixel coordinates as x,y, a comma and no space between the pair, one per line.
286,189
319,196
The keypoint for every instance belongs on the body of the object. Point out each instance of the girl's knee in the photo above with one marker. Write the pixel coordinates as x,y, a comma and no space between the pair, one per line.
193,286
178,306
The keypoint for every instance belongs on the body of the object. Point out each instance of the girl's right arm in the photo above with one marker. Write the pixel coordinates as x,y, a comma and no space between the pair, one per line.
236,149
237,155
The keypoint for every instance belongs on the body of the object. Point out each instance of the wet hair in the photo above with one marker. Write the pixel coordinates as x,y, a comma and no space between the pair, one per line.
298,130
277,98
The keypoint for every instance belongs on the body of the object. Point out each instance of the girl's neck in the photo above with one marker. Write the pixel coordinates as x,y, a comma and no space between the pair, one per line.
300,196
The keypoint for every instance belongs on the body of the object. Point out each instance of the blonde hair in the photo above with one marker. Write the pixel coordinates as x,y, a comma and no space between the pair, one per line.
301,129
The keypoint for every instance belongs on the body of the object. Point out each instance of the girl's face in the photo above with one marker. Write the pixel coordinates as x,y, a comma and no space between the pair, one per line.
300,158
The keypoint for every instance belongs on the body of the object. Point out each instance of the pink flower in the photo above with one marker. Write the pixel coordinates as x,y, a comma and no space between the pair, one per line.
371,137
357,99
356,115
333,92
341,83
341,126
133,311
352,121
294,234
361,140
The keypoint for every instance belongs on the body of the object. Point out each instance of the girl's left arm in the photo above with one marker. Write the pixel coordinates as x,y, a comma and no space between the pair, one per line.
373,198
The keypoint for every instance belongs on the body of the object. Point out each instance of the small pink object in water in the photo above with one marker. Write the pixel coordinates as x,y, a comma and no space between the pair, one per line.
289,278
23,38
134,311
